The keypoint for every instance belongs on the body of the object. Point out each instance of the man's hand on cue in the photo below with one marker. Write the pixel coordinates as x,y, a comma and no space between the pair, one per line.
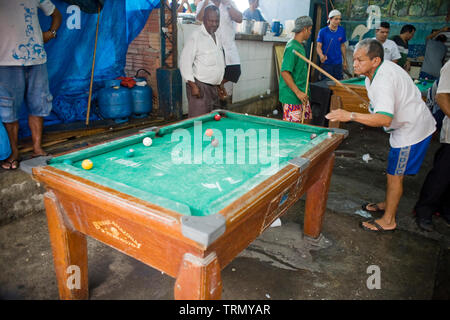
302,96
339,115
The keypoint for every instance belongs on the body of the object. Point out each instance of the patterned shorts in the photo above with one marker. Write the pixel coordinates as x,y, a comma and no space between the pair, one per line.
293,112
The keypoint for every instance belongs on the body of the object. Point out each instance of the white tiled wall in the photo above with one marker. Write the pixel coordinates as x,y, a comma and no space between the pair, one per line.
257,67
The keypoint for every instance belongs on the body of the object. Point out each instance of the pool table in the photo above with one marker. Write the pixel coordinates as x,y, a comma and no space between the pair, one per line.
342,99
182,205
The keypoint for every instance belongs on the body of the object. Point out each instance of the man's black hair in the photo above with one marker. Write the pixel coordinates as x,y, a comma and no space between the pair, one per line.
441,38
211,7
385,24
407,28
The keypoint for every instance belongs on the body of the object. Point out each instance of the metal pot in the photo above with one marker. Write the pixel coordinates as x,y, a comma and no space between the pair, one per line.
260,27
245,27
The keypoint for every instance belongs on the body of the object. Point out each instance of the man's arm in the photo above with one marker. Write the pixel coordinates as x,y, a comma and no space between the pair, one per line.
181,7
434,34
291,84
322,57
56,23
200,13
443,100
235,14
368,119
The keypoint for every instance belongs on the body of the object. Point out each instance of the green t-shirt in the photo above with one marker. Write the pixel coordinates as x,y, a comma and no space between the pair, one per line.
298,69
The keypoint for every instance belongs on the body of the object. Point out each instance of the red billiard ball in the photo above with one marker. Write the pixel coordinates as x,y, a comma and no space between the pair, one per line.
217,117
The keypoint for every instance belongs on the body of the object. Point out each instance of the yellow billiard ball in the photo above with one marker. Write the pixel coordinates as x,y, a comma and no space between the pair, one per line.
87,164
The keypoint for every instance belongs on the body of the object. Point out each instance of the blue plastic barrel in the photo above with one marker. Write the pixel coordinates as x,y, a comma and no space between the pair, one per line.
115,102
142,99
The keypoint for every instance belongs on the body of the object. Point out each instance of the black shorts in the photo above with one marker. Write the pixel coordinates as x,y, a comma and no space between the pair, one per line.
232,73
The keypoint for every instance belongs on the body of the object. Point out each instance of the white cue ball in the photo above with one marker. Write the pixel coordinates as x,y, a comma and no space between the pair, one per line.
147,141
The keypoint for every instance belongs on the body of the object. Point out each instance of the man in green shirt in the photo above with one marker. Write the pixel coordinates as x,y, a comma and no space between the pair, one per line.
294,71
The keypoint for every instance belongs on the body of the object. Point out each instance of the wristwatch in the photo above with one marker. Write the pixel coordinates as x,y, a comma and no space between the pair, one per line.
352,116
53,33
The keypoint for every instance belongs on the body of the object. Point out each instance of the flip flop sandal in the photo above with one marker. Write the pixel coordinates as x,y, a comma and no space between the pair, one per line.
373,205
11,165
40,155
376,225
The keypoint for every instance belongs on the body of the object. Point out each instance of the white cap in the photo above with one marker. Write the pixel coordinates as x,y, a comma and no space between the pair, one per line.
334,13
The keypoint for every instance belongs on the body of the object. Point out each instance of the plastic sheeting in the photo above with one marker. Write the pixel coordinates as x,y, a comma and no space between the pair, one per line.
69,56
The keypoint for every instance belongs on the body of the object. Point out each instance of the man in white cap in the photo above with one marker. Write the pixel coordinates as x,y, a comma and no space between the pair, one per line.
331,45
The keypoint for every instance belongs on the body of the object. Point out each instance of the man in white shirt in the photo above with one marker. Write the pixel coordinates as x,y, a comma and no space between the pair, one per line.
435,193
391,52
202,65
395,104
229,16
23,70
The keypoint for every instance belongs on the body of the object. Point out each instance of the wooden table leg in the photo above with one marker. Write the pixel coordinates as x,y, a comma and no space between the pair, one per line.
69,252
316,200
198,279
335,103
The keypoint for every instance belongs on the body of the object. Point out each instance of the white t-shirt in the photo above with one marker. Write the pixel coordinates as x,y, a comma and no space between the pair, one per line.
444,87
393,93
226,32
390,50
21,42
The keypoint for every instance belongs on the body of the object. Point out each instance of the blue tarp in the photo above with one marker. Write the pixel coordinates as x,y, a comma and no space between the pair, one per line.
69,56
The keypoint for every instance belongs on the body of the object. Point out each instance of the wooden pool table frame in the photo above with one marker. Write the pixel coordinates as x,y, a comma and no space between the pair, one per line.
193,250
342,99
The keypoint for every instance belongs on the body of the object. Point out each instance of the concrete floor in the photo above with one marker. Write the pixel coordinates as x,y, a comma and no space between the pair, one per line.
277,265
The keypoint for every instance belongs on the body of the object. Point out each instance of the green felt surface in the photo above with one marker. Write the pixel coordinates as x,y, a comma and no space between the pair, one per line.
207,178
360,81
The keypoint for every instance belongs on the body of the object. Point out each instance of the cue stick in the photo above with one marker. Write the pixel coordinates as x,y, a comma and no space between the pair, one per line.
331,2
332,78
328,47
307,81
92,72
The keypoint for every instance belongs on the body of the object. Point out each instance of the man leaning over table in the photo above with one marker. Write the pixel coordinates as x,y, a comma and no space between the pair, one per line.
395,104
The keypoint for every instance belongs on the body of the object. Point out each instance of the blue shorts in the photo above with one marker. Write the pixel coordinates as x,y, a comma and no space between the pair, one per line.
407,160
24,83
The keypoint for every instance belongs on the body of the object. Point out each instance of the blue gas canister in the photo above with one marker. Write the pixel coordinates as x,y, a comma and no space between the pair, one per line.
142,98
115,102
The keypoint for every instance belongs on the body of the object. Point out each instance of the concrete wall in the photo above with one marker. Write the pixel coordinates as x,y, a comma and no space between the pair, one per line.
284,9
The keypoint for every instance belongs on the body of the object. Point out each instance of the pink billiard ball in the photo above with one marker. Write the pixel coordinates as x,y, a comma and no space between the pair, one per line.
215,143
209,132
217,117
